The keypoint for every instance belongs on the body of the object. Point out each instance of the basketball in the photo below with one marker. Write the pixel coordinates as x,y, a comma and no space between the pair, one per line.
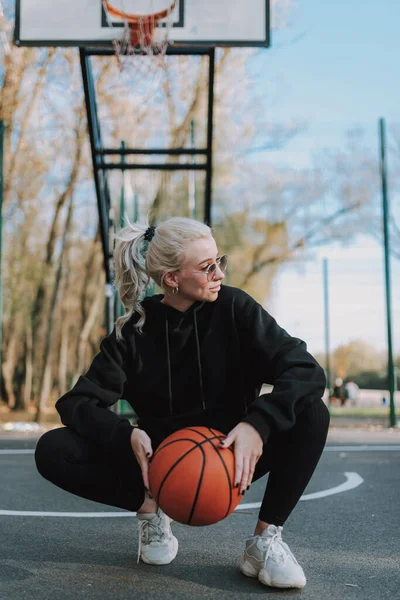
191,478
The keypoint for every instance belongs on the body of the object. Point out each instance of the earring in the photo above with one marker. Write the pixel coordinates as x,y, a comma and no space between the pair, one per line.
175,291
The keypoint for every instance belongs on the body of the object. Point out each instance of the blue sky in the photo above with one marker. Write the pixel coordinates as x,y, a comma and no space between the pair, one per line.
337,66
342,62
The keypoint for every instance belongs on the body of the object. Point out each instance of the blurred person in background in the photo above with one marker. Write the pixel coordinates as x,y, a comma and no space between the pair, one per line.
351,392
339,391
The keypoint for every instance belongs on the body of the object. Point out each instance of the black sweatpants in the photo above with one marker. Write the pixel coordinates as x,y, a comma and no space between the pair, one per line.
83,468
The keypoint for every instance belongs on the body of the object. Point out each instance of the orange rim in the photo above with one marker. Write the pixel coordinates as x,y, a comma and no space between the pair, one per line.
137,18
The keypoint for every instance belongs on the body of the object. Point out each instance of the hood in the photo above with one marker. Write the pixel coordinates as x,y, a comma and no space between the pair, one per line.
176,328
157,312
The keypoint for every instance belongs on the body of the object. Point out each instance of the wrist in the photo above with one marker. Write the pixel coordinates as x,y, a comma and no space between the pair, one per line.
254,429
134,433
258,423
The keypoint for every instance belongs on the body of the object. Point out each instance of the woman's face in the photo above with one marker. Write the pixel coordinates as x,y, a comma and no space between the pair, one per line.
191,279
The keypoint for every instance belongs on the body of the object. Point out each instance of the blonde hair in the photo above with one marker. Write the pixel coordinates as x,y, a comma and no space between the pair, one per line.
136,265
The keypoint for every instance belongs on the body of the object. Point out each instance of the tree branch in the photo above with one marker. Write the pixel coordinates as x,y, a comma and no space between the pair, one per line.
256,267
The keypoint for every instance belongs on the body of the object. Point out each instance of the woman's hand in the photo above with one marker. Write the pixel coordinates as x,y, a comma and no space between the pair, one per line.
141,446
248,449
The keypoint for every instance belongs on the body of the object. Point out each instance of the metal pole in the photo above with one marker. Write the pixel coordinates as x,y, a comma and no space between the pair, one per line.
192,176
100,179
2,132
122,209
326,327
208,191
135,207
122,197
101,184
385,204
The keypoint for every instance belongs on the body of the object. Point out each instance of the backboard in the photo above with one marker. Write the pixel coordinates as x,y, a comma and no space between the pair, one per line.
193,23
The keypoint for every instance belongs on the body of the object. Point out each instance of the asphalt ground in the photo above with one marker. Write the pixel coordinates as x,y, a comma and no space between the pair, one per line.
347,540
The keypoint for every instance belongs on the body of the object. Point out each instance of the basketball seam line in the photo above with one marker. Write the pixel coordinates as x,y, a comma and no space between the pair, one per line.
230,483
196,496
208,439
196,445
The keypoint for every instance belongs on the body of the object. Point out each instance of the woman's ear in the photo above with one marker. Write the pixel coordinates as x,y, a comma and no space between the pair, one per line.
171,279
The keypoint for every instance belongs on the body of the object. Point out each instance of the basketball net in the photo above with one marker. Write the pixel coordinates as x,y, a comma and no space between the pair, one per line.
143,35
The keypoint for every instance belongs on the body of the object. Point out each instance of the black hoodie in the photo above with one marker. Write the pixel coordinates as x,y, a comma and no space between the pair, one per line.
204,366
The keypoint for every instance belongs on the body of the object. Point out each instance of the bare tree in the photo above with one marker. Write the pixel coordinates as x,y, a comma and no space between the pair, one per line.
353,177
45,379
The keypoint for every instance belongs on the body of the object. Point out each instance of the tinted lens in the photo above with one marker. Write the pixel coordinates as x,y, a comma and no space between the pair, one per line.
223,263
211,271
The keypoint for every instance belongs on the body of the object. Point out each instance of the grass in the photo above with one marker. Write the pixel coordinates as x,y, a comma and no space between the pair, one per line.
360,411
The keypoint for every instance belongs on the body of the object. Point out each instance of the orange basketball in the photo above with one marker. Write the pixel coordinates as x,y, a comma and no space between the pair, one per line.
191,477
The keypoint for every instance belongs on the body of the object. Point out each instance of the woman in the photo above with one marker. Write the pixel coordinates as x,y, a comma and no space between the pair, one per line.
196,355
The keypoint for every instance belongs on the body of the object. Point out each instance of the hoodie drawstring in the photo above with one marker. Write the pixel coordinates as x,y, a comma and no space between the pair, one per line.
169,367
198,364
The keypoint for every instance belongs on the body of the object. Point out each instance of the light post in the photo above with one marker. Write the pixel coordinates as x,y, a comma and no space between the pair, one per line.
386,240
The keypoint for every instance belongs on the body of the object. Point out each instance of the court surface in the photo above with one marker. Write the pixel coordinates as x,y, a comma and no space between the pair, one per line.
345,533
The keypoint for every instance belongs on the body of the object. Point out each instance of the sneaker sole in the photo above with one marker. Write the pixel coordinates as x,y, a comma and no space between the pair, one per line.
247,569
267,582
163,560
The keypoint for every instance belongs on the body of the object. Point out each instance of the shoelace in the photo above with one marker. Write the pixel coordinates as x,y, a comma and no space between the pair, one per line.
157,530
277,539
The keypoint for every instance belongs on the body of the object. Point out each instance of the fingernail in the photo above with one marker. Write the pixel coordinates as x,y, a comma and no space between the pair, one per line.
236,485
248,487
243,493
148,454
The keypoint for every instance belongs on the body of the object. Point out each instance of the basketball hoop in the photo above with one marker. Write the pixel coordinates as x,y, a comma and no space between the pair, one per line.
139,37
141,26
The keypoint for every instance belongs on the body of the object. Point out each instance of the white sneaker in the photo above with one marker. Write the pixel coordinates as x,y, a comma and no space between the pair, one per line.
267,557
157,545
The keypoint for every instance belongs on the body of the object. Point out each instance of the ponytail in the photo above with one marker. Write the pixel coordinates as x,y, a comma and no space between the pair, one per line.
131,277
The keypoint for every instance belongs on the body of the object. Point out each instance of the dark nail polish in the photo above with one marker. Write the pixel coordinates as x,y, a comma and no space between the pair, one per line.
236,485
148,454
248,487
243,493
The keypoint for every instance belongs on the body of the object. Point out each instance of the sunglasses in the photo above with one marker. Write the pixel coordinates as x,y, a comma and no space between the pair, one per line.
210,270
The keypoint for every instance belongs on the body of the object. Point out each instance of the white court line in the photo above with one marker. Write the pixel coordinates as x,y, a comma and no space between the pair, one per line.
361,448
364,448
17,451
38,513
353,480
